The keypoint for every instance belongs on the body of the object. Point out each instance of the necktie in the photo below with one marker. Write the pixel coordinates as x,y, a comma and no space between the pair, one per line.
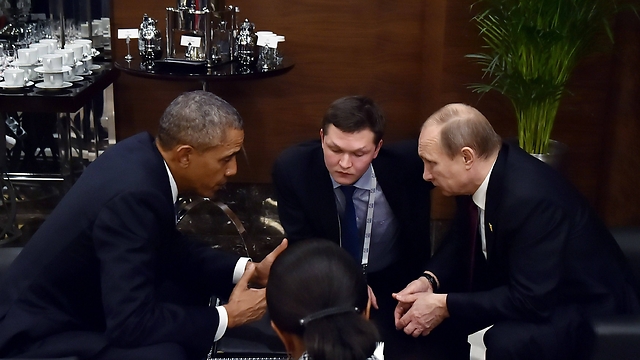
473,229
348,226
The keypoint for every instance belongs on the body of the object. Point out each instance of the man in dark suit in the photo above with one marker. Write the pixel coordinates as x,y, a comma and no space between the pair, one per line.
525,254
90,281
308,177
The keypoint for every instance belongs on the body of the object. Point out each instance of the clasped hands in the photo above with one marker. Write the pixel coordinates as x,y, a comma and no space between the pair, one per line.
247,302
419,309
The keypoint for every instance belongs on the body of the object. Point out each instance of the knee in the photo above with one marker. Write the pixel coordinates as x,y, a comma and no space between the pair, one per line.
169,351
506,342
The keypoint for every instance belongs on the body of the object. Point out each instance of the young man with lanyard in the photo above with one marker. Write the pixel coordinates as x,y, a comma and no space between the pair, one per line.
369,199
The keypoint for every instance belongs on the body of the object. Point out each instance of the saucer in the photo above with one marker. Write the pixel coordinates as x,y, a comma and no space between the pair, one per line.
85,73
74,78
5,86
95,67
42,85
16,63
42,70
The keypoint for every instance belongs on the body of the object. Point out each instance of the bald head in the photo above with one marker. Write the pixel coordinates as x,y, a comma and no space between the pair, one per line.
462,125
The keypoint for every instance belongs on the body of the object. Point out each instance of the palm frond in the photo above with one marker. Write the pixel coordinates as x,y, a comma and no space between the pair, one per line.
531,47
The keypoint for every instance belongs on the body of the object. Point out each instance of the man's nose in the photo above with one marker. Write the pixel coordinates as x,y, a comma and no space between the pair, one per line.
426,175
345,161
232,168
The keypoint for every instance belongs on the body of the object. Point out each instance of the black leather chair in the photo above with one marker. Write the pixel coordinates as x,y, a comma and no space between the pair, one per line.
619,337
7,255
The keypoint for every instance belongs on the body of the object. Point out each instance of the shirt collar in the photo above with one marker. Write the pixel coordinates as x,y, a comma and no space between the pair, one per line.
363,183
480,196
172,183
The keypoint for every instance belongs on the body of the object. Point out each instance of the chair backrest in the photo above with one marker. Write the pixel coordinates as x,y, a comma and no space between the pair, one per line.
628,239
7,255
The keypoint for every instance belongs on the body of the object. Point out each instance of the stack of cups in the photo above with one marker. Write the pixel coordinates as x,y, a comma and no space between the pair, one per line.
87,53
52,70
78,50
43,49
27,61
68,59
268,57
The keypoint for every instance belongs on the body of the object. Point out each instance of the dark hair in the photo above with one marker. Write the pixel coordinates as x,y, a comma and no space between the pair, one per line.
355,113
314,276
197,118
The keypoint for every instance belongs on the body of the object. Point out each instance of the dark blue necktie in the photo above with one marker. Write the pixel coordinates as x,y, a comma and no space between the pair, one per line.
348,226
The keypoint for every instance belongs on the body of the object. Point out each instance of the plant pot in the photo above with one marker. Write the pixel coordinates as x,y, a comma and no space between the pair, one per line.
556,156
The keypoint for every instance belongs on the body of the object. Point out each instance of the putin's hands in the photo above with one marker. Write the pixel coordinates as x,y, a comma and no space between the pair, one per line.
419,309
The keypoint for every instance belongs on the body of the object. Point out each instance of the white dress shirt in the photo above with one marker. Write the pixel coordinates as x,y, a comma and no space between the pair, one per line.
237,272
384,230
480,199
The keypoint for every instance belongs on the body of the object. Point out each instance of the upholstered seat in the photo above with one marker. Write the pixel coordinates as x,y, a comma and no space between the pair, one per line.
618,337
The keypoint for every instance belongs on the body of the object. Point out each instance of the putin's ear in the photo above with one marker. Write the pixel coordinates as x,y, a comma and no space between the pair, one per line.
468,156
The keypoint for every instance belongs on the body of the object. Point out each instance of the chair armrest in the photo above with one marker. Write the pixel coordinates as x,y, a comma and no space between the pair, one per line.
616,337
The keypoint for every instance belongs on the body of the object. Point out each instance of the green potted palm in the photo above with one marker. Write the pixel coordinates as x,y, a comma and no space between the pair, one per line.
531,48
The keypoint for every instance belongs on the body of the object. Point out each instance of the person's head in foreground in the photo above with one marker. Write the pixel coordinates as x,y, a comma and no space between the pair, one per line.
318,302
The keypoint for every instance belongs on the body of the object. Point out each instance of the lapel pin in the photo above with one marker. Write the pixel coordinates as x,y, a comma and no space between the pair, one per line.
490,227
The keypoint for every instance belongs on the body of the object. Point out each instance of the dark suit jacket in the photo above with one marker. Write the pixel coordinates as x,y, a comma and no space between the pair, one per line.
90,275
307,205
546,251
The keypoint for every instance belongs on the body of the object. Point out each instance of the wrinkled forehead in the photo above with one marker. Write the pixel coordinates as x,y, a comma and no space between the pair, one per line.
429,140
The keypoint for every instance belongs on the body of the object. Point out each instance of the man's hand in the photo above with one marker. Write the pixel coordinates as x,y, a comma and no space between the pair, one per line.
372,297
245,304
262,268
427,310
418,286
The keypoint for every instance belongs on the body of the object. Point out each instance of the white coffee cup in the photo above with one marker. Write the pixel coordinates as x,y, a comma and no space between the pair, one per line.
95,27
77,50
53,79
27,56
88,45
43,49
53,44
68,57
84,29
14,77
52,62
104,25
29,71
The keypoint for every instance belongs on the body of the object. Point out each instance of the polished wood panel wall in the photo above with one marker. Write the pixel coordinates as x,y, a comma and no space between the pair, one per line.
408,56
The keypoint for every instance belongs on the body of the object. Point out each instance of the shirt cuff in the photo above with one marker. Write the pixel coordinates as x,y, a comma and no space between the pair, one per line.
222,324
239,269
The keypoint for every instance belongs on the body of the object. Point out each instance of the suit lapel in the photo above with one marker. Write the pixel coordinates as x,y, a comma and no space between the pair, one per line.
321,194
494,198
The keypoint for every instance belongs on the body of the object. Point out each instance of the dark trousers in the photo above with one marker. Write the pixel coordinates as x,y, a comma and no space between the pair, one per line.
166,351
397,345
566,336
